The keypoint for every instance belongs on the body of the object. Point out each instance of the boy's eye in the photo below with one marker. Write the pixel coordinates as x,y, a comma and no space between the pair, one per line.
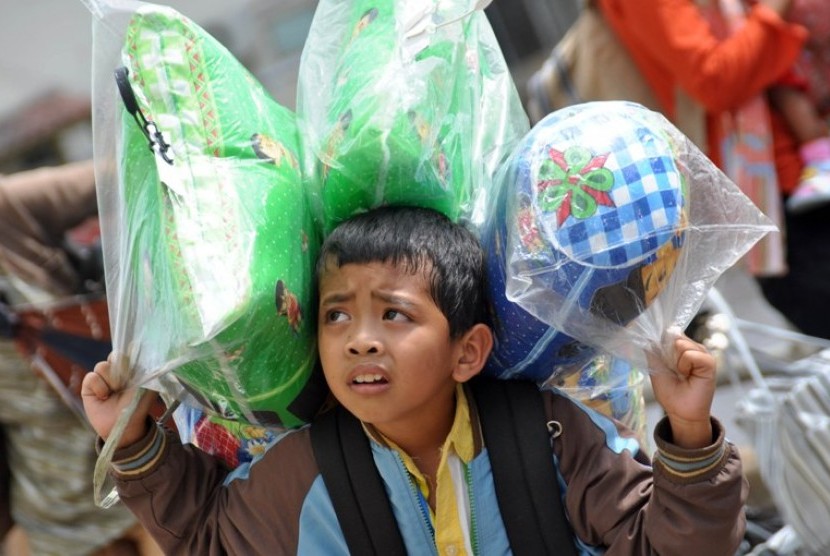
393,314
335,316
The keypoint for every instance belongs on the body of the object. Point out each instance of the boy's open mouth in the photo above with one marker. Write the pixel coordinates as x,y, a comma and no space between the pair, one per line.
369,379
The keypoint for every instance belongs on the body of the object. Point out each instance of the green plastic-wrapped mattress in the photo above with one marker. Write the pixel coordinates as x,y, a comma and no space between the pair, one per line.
217,244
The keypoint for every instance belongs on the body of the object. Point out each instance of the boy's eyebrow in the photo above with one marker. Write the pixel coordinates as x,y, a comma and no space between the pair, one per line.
393,299
333,298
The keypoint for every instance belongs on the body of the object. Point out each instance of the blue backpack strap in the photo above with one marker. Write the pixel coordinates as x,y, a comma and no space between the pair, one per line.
513,423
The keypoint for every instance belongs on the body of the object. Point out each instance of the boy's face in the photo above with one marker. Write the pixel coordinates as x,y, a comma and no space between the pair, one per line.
385,346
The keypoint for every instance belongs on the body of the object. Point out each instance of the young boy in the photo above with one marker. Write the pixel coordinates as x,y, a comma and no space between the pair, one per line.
401,329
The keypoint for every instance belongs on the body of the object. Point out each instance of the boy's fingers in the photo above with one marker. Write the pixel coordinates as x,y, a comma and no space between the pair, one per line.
101,382
693,360
686,347
148,398
104,380
102,369
94,385
684,343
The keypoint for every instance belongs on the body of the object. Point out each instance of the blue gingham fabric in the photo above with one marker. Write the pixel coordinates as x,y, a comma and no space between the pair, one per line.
615,153
588,200
646,194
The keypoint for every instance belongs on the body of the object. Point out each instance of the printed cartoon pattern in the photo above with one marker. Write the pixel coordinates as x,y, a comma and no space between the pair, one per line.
289,306
231,442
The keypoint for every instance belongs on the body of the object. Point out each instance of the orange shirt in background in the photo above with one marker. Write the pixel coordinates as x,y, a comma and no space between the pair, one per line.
674,47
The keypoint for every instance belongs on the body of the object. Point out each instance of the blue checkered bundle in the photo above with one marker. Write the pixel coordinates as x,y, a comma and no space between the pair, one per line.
584,231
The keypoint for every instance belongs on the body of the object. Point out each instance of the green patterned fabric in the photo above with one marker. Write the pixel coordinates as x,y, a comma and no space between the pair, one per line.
390,115
219,246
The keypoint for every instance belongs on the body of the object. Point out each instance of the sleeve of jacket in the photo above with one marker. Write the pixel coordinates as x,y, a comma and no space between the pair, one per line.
180,494
673,37
689,502
36,208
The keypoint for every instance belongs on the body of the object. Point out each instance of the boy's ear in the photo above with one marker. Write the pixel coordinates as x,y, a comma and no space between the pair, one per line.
474,349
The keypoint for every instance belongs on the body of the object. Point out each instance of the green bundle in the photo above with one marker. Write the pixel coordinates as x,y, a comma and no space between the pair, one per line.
217,244
392,106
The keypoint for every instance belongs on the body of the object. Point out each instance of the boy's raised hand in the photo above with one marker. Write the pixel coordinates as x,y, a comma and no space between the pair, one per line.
685,391
104,400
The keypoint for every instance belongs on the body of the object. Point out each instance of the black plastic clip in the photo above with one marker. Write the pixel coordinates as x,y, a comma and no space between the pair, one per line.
154,136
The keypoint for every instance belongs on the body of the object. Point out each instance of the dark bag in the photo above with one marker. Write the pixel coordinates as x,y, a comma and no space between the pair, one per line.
803,294
518,442
8,320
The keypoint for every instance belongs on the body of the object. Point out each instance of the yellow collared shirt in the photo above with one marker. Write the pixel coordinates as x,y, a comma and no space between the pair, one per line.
452,516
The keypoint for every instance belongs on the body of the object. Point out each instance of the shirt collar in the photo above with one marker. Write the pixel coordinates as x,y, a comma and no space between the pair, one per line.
460,438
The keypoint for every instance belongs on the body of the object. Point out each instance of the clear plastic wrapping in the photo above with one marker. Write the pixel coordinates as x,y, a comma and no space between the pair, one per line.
611,386
231,442
404,103
214,198
605,230
207,209
209,244
788,419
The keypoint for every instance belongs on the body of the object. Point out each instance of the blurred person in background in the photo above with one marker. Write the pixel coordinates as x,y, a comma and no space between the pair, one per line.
726,55
803,98
49,451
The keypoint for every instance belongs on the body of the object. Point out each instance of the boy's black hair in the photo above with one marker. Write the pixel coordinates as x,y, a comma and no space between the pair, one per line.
418,240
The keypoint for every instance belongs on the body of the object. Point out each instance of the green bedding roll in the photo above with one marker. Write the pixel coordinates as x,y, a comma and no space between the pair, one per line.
393,114
219,243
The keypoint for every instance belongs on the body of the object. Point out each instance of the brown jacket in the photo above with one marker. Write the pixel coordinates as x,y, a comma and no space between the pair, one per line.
687,502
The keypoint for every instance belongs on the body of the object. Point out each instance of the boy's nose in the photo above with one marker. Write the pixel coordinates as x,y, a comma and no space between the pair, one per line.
363,350
364,344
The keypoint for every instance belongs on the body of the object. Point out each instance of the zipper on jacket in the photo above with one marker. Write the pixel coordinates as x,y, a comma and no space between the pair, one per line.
424,506
422,503
468,476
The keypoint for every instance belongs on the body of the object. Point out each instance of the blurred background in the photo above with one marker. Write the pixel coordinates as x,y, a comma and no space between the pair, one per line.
46,77
46,53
